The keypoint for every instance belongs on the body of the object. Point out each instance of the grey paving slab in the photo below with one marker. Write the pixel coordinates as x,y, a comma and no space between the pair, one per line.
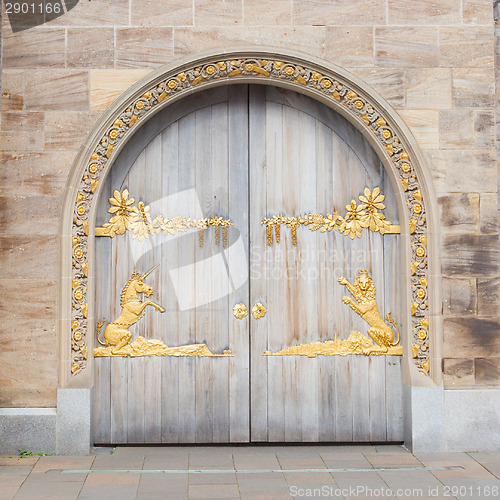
309,478
43,487
212,479
113,462
110,487
213,491
62,462
162,486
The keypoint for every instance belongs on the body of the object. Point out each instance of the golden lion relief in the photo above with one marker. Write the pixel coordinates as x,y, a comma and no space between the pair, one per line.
365,305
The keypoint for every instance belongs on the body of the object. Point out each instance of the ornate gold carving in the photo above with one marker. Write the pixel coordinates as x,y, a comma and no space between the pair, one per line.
364,304
157,96
151,347
259,310
240,311
128,217
358,217
117,336
356,343
116,333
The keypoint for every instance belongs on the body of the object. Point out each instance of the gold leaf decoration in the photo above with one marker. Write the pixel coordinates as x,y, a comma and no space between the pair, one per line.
128,217
367,215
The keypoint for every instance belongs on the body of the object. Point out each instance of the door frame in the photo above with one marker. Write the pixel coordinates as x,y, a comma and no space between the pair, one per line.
361,105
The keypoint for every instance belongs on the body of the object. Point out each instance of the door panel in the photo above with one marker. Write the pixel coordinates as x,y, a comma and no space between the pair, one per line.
307,167
184,170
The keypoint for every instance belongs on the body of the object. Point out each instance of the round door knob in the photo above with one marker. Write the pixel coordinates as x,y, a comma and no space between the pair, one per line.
240,311
259,310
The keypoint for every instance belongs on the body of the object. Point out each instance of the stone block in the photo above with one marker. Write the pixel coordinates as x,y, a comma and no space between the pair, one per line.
22,131
143,47
390,83
459,213
458,372
28,383
26,174
463,171
58,90
428,88
487,371
427,419
422,12
33,215
66,130
20,257
350,46
108,84
424,125
467,47
90,48
466,337
154,13
96,13
323,12
472,420
34,48
459,296
470,255
488,296
475,12
456,129
406,47
28,299
189,40
258,13
30,339
489,215
473,87
28,429
74,412
484,129
13,83
218,12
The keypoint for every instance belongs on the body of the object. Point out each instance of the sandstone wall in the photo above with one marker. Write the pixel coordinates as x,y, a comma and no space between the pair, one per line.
433,60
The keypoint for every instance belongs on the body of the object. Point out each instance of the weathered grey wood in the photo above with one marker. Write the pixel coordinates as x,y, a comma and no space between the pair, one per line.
237,256
259,330
170,369
247,157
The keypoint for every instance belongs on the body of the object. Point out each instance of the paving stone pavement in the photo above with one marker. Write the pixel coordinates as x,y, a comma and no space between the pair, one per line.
250,473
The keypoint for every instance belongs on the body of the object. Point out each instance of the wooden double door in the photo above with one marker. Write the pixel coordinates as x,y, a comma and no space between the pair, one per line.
246,153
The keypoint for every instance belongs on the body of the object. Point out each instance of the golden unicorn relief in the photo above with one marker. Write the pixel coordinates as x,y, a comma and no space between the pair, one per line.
365,305
117,336
116,333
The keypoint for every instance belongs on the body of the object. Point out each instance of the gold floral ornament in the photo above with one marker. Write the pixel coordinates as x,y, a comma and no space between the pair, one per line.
358,217
128,217
351,225
373,219
259,310
122,208
240,311
140,222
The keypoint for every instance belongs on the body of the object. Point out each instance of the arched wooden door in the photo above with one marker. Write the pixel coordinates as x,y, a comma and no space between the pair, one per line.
246,154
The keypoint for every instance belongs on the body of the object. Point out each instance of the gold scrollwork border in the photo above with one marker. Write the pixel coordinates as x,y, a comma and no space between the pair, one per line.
327,85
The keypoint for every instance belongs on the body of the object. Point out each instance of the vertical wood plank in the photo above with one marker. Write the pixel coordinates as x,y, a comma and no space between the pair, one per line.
237,256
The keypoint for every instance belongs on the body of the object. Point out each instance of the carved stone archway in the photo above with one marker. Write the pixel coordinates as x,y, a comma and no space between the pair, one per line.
359,104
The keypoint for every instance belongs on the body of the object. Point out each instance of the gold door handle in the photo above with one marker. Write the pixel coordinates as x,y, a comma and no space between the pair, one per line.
259,310
240,311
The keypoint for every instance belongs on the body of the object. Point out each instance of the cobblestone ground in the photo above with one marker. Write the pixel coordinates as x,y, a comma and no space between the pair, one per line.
259,472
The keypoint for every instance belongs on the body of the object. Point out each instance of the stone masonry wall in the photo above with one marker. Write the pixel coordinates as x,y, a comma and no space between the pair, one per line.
433,60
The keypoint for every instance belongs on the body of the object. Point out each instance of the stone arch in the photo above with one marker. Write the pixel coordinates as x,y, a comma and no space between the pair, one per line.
325,82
